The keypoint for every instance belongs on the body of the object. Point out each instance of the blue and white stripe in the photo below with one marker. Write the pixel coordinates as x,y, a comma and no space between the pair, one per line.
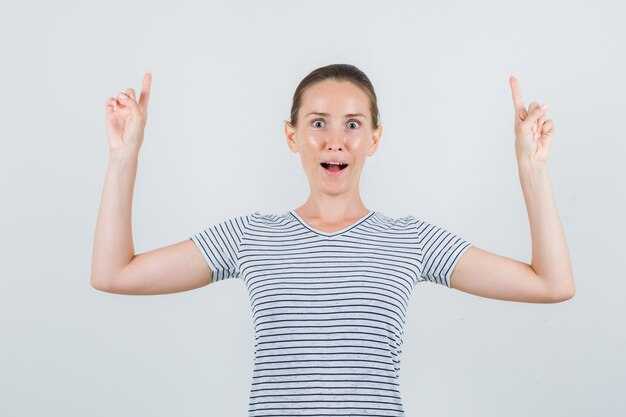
328,308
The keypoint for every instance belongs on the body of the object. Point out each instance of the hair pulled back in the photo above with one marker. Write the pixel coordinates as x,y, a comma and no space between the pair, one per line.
338,72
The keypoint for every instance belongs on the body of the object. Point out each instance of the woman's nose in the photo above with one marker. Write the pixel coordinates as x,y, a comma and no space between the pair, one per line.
335,140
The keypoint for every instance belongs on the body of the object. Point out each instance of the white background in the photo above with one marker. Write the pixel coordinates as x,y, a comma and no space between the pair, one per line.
223,77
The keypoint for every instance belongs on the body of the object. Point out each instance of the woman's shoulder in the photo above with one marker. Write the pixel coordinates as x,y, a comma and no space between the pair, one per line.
269,219
400,221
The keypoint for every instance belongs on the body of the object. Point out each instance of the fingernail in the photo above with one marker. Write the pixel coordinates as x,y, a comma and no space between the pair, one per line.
122,97
545,106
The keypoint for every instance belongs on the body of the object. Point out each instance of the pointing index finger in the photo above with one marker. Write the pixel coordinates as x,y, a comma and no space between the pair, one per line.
145,91
518,103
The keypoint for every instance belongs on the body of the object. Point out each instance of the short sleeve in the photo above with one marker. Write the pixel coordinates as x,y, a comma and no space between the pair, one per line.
219,245
441,250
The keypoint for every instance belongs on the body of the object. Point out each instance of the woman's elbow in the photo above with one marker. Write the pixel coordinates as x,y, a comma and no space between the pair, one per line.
564,294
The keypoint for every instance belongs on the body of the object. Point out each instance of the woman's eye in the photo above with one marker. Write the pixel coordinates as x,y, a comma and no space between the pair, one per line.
354,123
318,123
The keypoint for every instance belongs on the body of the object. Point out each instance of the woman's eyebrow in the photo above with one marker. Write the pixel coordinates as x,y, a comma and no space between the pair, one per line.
327,114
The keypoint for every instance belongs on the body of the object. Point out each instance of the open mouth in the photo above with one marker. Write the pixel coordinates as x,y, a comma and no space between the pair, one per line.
333,167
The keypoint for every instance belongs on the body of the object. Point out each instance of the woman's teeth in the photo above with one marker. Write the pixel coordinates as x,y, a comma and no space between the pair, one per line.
340,165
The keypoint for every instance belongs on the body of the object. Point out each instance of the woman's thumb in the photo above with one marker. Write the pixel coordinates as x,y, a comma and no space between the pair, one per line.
534,115
128,102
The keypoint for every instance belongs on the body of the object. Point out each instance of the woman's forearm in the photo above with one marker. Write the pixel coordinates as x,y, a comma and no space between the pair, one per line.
113,247
550,254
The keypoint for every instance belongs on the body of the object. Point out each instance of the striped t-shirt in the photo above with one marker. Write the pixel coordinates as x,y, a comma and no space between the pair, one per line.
328,308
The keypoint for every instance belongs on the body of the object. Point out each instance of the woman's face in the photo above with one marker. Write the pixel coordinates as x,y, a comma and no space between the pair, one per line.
334,124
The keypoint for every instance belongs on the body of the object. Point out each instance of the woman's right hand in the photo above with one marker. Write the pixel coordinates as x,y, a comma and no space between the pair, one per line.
126,118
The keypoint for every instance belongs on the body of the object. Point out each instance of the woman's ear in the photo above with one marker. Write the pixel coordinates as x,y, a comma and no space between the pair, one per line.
290,135
376,134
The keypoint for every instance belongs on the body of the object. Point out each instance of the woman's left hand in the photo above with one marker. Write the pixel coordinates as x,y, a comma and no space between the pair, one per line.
533,133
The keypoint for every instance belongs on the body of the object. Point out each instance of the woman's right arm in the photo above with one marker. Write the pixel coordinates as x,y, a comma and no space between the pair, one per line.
115,267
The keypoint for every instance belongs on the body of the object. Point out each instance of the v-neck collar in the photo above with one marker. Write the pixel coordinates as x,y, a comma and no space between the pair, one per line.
338,232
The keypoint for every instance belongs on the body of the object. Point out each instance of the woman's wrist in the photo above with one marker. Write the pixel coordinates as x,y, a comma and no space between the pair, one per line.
123,155
531,165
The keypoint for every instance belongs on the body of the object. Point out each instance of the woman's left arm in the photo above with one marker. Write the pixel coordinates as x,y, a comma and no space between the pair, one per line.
549,277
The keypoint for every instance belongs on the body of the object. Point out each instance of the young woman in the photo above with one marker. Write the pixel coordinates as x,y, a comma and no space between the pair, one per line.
329,282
